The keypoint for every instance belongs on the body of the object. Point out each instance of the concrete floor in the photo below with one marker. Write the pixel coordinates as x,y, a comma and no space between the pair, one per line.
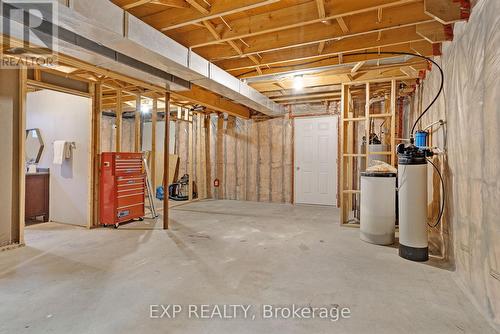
72,280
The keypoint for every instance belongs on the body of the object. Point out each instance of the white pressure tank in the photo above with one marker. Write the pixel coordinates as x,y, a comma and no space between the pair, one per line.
412,193
378,207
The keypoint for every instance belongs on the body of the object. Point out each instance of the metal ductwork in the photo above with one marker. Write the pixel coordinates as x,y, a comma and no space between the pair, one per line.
104,35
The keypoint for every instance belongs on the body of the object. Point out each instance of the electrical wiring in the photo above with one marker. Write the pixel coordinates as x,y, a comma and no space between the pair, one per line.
443,190
382,53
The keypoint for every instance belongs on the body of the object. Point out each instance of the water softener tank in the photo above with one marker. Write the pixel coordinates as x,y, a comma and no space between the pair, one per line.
378,207
412,182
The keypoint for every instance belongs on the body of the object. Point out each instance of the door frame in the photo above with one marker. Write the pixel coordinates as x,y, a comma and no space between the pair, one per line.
36,82
294,157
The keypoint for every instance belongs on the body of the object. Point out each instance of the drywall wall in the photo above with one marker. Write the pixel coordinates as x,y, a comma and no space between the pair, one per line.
471,107
61,116
9,146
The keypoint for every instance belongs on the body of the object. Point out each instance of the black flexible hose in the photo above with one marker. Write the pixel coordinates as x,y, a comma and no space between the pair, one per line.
441,72
443,190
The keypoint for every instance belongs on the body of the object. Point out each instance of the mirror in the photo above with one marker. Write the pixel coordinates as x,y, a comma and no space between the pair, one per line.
34,146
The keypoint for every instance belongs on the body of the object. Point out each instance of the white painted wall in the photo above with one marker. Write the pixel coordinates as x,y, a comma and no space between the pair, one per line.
66,117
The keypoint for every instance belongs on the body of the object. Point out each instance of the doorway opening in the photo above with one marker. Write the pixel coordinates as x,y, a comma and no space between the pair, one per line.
58,157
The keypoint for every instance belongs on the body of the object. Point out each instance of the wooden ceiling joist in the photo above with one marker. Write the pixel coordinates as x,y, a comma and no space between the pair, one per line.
285,18
357,43
175,18
213,101
359,25
423,48
446,11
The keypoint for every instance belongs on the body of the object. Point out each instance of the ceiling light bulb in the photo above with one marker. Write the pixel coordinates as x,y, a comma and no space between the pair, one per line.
298,82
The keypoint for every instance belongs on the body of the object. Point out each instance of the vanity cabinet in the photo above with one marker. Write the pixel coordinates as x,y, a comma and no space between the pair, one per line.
37,196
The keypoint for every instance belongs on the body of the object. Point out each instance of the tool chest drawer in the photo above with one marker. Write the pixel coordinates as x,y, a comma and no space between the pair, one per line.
122,188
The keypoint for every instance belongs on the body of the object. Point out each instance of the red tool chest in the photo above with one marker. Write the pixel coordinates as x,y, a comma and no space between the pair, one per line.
122,188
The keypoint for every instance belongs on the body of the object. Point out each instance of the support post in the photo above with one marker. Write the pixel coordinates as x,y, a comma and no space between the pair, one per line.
96,89
393,122
154,122
137,124
208,158
190,155
220,156
166,160
119,118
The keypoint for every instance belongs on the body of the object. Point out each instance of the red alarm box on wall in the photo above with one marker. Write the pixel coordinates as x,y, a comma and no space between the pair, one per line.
122,188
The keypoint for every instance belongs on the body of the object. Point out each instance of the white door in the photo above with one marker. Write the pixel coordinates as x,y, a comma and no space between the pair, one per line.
316,160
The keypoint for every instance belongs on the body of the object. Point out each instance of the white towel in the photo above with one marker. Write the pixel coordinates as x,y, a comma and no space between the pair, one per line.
59,151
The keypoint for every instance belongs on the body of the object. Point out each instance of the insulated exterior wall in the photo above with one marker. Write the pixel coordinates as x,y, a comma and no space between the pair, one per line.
471,107
257,159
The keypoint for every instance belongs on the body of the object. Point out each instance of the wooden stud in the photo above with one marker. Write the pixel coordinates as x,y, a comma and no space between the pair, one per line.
119,119
220,156
154,123
190,156
137,124
199,169
18,231
166,159
96,151
367,125
208,158
393,122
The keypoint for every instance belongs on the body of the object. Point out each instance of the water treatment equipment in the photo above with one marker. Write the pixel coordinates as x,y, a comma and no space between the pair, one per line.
378,207
412,185
421,139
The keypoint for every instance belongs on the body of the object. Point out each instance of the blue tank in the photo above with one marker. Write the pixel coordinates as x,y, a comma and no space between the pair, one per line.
421,139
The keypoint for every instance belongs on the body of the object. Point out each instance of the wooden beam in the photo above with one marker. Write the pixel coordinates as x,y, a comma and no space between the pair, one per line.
348,45
210,27
357,67
118,121
362,25
175,18
325,96
171,3
321,9
321,47
343,26
166,158
135,4
435,32
213,101
201,7
446,11
287,18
